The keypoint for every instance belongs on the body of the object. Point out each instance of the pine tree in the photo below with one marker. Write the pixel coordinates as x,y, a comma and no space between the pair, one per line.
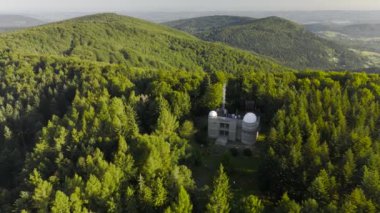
371,184
348,167
61,203
167,123
221,195
310,206
187,130
183,204
357,202
160,192
42,192
252,204
286,205
213,97
323,188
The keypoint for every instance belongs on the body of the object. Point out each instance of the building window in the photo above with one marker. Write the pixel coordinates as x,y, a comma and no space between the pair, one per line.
224,126
223,133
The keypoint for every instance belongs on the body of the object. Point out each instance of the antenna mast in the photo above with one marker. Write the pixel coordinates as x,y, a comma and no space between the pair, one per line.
224,97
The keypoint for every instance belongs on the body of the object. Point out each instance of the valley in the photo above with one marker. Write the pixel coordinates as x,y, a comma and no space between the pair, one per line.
362,38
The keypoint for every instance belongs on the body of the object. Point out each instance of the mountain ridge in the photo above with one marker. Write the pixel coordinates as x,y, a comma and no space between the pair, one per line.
18,21
15,22
283,40
114,38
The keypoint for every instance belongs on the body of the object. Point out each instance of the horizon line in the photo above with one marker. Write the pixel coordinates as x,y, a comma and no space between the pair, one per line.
178,11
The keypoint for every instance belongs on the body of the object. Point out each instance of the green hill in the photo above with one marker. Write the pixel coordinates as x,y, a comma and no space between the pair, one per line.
120,39
278,38
208,23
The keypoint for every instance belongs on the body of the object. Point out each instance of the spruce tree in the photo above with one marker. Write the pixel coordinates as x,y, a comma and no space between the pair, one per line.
221,195
252,204
183,204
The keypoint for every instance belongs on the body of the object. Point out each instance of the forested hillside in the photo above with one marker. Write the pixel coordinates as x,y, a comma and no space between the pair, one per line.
82,133
119,39
197,26
283,40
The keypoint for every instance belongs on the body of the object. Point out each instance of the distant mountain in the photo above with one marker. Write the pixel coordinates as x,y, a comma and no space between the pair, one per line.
7,29
119,39
283,40
302,17
204,24
353,30
18,21
12,22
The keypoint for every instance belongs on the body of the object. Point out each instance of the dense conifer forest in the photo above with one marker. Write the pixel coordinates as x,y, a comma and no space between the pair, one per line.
101,114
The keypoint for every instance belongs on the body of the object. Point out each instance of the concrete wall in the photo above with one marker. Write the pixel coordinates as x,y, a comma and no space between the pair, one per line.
249,132
213,127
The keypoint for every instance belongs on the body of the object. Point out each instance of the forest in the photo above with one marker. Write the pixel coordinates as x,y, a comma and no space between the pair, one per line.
90,134
288,42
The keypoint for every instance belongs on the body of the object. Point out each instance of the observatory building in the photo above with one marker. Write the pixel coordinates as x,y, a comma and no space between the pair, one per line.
229,127
224,127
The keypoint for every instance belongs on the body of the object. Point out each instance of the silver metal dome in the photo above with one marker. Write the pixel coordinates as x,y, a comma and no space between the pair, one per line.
250,118
213,114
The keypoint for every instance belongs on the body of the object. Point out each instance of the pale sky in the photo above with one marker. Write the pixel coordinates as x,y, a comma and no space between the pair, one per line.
9,6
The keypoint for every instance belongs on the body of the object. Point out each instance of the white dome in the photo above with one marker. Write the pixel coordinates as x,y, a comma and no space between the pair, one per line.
250,118
213,114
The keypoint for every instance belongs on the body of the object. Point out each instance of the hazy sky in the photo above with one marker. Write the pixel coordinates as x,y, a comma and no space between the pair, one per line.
183,5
